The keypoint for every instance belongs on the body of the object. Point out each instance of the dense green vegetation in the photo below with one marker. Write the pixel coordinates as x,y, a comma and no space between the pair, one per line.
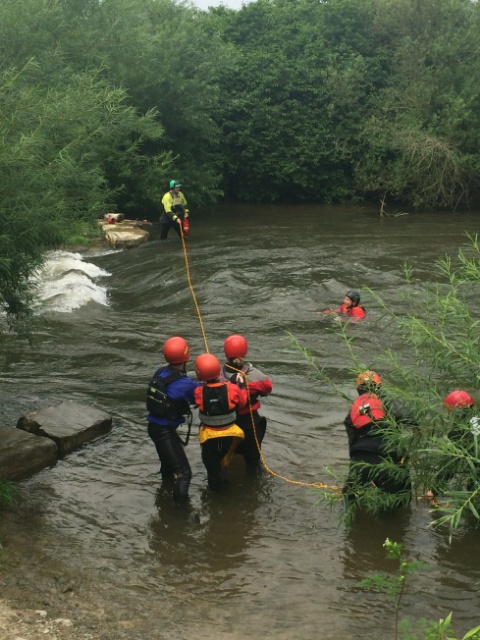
103,102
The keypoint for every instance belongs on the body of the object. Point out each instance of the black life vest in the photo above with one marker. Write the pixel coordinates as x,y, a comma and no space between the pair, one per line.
216,409
159,404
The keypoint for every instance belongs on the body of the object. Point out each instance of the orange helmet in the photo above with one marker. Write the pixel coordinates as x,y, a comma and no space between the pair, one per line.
235,346
368,378
207,367
458,399
176,350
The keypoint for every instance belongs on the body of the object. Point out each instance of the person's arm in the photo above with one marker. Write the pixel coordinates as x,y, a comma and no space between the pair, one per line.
237,395
184,204
260,387
184,389
333,310
341,309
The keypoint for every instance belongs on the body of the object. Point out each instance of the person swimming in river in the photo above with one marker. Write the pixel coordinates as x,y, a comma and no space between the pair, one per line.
350,308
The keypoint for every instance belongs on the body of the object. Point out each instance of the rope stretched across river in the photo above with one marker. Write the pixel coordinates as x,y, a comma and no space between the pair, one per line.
316,485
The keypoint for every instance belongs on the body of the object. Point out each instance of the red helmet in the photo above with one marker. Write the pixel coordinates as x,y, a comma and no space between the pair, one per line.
207,367
176,350
368,378
235,346
458,399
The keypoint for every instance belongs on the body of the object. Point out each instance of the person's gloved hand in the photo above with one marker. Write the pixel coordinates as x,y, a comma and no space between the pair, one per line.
238,379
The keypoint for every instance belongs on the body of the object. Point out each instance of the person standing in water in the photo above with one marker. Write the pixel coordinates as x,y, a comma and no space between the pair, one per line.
217,401
175,210
169,395
257,384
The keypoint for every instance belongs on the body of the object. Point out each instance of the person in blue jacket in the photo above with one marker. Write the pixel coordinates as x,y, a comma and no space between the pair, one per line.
169,395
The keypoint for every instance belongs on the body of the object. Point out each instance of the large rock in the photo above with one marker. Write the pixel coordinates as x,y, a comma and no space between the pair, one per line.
126,234
69,424
23,454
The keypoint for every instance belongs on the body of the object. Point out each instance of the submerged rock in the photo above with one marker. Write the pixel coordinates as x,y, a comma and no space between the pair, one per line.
125,234
22,454
69,424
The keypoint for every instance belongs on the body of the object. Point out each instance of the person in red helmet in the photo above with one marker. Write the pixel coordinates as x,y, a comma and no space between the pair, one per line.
169,395
350,308
463,433
367,424
460,405
237,370
217,401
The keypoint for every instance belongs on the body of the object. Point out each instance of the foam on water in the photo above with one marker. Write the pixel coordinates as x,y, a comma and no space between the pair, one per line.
66,282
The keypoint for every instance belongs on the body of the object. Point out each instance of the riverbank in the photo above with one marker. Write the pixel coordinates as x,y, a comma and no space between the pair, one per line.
28,624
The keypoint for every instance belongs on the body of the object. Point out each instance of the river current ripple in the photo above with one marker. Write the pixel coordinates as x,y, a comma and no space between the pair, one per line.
263,560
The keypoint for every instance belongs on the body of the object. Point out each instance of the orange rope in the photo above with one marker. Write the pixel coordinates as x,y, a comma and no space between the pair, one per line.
187,267
316,485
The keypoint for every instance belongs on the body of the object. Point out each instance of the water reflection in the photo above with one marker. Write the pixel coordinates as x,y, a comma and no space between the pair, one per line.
212,535
287,566
364,550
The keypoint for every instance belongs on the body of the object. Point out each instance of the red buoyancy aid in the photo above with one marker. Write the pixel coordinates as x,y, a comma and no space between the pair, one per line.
367,408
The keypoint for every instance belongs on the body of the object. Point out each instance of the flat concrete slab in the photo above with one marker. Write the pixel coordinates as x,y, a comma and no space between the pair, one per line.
69,424
22,454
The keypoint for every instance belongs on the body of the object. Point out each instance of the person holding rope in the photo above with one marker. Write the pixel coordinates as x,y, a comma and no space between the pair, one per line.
237,370
169,395
175,213
217,401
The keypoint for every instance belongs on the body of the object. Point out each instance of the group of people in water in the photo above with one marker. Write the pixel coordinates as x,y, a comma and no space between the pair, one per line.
227,398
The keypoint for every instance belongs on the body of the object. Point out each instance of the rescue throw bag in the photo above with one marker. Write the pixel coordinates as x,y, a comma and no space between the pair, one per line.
159,404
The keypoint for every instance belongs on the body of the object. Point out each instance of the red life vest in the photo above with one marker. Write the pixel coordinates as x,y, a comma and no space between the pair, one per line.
366,409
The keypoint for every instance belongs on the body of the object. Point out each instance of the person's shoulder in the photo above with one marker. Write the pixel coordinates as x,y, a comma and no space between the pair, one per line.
358,312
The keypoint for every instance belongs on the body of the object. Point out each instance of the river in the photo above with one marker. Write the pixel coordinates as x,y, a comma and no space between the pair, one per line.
98,539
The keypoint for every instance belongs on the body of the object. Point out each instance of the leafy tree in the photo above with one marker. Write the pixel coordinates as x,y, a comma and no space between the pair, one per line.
414,146
53,146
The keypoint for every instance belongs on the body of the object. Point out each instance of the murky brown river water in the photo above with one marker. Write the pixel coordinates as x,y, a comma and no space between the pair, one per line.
98,534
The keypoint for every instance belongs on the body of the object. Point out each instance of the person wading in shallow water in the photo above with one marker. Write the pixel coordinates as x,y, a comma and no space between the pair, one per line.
367,424
175,210
169,395
464,433
217,402
351,307
237,370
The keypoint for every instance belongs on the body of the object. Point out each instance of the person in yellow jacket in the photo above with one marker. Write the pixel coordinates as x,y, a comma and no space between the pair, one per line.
175,210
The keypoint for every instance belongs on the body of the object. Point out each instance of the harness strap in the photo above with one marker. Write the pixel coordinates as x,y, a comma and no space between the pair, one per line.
224,420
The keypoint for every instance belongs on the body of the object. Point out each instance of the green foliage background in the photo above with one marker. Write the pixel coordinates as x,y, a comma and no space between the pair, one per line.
103,102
